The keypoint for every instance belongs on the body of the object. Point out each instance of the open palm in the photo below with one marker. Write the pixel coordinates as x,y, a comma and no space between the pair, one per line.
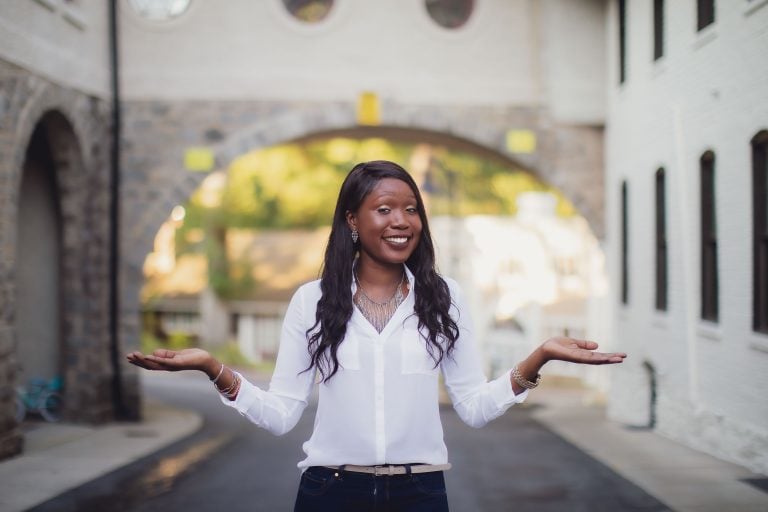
172,360
579,351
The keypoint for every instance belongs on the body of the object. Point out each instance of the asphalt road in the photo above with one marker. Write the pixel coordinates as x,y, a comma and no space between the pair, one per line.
512,464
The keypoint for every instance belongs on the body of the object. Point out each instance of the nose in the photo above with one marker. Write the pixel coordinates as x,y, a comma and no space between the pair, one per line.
399,219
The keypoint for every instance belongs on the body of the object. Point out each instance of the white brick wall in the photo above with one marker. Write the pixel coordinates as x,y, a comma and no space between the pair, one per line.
708,92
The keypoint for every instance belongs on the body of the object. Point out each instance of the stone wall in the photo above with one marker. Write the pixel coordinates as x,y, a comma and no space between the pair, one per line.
76,127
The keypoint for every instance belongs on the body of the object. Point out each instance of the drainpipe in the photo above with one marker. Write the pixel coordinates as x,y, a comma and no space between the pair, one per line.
121,411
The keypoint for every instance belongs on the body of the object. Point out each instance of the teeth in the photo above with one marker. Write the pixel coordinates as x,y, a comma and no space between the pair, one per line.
396,239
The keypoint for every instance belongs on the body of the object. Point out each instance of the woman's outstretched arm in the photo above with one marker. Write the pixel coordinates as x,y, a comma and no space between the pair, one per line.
561,349
188,359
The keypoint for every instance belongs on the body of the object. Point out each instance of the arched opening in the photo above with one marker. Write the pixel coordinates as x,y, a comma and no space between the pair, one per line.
534,264
650,374
38,264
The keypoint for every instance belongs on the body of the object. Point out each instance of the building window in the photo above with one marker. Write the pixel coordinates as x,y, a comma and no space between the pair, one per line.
309,11
709,279
658,29
624,245
661,242
622,41
159,10
705,13
760,231
450,14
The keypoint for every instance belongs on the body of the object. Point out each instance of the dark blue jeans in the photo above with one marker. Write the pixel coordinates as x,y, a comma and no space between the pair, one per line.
329,490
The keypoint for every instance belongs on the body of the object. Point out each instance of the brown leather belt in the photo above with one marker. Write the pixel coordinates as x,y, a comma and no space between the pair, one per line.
392,469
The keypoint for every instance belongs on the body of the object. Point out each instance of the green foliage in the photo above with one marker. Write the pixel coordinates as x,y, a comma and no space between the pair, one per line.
296,186
175,341
179,341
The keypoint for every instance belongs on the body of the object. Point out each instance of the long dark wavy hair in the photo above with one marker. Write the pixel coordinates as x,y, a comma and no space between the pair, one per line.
334,309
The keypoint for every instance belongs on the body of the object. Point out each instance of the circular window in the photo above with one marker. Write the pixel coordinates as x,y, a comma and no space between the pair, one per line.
309,11
450,13
159,10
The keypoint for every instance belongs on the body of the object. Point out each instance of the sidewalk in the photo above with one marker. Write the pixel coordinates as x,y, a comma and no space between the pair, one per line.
682,478
59,457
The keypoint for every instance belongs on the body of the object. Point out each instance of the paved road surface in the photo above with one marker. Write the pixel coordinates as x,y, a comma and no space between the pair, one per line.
229,465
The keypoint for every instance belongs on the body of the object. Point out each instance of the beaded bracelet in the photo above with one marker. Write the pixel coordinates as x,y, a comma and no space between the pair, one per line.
522,381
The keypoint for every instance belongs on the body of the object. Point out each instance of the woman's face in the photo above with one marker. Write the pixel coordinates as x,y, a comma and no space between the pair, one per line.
388,223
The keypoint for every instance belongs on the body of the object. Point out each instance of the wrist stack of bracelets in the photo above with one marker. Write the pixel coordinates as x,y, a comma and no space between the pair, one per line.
231,391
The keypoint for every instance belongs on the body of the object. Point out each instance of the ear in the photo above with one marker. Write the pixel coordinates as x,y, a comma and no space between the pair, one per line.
351,220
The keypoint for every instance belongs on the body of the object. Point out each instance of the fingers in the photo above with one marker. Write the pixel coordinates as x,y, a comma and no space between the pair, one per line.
164,353
586,344
606,358
147,362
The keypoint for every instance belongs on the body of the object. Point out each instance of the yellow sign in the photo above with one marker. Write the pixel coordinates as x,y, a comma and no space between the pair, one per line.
521,141
368,109
199,159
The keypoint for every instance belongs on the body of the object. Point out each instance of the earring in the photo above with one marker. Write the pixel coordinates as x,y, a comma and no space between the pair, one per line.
355,236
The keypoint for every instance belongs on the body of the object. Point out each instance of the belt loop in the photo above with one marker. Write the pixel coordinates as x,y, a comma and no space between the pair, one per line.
407,469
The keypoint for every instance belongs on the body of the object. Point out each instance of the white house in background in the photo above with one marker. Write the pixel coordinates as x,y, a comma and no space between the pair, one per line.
686,161
527,278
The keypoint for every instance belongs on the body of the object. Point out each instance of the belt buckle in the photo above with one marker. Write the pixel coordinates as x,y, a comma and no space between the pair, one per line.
384,470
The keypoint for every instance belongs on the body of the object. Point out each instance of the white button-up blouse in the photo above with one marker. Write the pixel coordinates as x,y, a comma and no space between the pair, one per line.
382,405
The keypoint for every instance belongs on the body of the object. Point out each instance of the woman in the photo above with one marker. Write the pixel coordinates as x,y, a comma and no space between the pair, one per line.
374,333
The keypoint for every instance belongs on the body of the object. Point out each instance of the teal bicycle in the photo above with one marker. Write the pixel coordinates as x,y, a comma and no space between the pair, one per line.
41,397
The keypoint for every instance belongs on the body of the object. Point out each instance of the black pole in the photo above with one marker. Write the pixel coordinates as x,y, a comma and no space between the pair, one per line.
121,411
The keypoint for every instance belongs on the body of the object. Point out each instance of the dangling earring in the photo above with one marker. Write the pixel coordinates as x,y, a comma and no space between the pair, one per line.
355,236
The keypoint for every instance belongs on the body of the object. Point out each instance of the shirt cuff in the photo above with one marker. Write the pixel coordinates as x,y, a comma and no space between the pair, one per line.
246,397
502,393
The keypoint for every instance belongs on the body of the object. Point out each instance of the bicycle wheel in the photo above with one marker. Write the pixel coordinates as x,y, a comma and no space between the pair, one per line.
51,407
21,410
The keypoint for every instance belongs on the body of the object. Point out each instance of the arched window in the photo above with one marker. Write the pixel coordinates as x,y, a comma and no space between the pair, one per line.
450,14
661,241
760,232
159,10
309,11
708,239
624,245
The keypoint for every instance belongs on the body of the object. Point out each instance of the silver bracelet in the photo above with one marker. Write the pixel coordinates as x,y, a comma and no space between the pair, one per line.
221,370
522,381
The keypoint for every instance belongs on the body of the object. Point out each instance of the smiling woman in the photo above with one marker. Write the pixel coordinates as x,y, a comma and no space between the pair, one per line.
374,333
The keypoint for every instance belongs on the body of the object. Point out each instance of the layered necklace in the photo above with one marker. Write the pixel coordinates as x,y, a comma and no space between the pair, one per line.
378,313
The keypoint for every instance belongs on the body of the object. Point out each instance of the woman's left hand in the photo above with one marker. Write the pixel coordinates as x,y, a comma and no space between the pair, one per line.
578,351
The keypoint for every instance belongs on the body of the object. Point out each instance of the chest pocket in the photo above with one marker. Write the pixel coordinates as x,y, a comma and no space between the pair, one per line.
414,357
348,353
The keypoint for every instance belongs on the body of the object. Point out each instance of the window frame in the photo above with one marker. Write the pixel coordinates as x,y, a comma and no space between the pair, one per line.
710,286
661,302
622,18
624,235
705,14
658,29
759,145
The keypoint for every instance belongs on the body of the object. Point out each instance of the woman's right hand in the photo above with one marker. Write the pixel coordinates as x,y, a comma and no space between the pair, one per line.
175,360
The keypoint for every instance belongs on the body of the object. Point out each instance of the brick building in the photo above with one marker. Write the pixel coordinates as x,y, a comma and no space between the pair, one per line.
686,211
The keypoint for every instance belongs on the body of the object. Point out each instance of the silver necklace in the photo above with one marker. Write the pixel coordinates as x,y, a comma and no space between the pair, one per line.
378,313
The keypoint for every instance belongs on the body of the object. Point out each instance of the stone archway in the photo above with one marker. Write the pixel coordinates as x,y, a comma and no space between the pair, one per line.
72,129
38,320
156,134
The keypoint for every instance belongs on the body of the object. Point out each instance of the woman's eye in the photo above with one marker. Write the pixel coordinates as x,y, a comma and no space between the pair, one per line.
383,210
411,210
